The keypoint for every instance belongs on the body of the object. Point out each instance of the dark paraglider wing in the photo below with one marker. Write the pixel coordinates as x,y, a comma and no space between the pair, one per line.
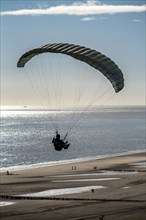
95,59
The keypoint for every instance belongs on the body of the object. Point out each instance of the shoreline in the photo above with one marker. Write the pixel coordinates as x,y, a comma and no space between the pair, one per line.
70,161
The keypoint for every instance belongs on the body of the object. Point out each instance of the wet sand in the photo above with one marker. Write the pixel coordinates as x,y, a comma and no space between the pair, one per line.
124,190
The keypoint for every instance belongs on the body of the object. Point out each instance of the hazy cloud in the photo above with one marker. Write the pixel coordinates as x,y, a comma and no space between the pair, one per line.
137,20
88,19
79,9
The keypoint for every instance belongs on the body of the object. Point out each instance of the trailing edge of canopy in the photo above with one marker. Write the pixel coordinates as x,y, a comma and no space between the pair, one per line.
95,59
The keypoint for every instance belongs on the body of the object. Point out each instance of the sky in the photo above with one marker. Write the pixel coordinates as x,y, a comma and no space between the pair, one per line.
115,28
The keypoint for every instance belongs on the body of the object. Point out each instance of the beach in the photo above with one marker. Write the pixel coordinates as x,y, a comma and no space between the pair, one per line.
111,188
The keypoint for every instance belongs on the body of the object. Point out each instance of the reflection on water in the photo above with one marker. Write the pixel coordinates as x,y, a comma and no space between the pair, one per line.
55,192
85,180
95,174
140,164
26,136
6,203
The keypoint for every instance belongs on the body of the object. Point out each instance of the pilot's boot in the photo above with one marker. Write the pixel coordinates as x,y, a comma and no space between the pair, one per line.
66,146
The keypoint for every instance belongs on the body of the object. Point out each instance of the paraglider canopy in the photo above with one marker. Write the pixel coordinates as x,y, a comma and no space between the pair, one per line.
95,59
67,76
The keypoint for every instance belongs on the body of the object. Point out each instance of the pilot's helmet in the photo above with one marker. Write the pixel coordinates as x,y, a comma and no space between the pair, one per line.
58,135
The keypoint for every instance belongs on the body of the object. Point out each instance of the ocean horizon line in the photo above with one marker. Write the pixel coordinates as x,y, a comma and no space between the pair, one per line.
31,108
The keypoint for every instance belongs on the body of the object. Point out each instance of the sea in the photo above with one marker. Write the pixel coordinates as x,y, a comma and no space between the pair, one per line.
26,135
